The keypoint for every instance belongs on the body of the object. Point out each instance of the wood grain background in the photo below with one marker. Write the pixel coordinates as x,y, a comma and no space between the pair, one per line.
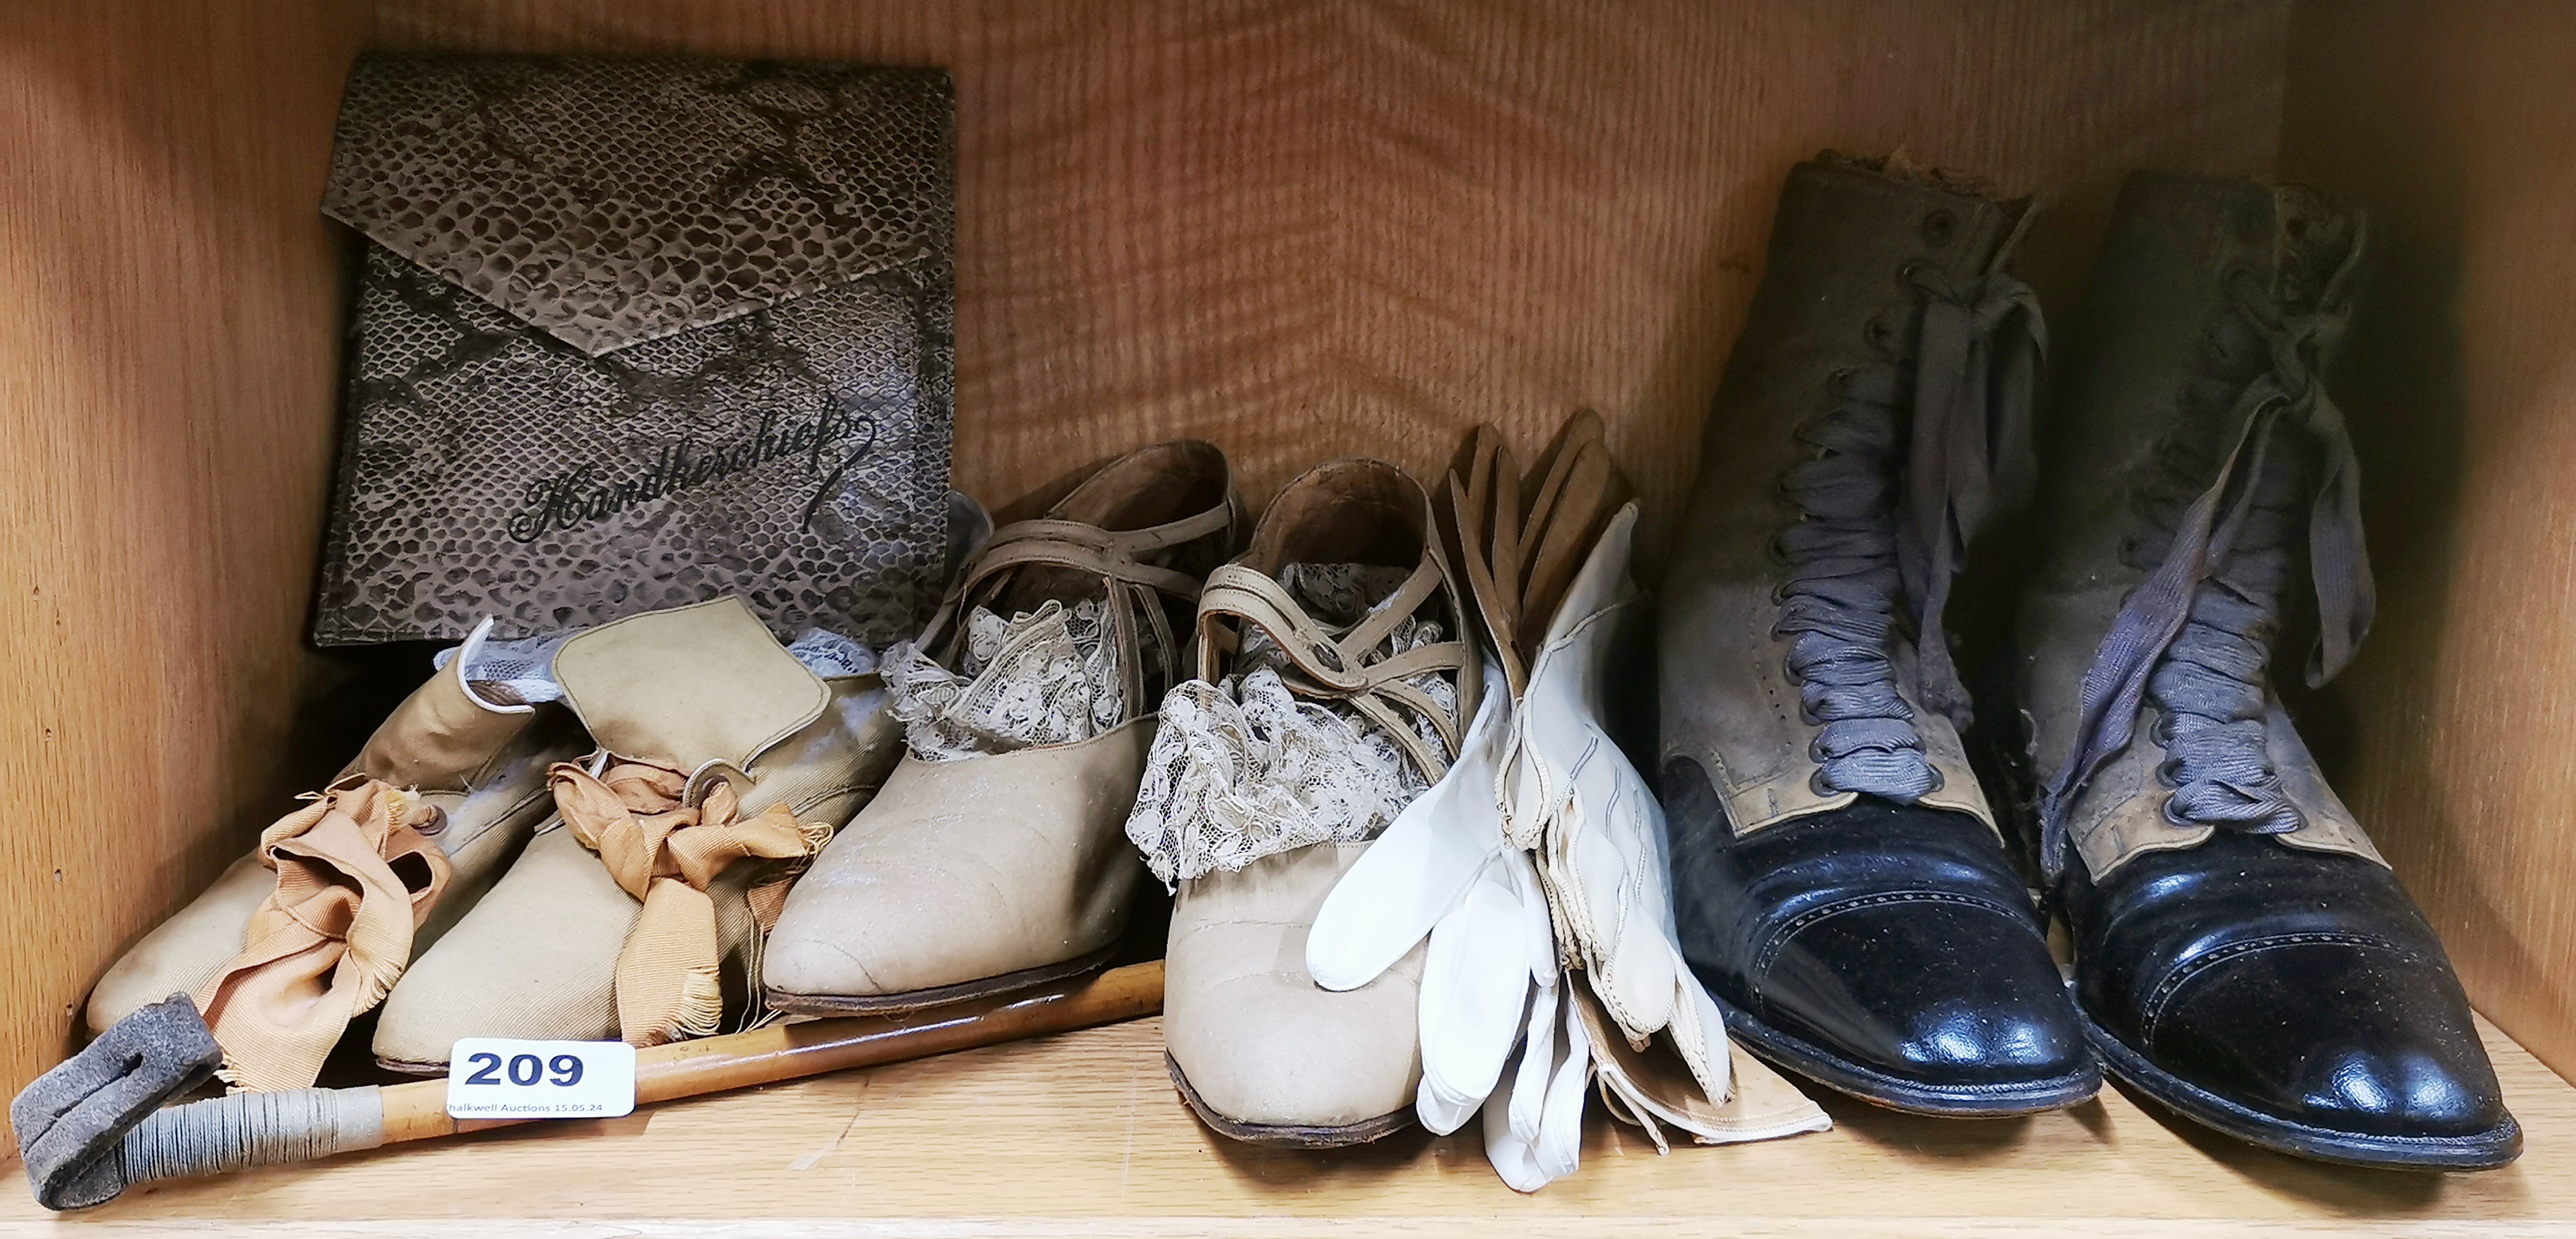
2457,724
1311,229
170,311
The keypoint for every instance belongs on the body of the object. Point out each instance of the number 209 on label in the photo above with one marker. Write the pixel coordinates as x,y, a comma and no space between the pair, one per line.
501,1078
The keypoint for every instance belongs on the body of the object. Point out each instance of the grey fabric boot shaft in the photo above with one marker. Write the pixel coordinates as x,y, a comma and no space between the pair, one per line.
1856,256
2160,390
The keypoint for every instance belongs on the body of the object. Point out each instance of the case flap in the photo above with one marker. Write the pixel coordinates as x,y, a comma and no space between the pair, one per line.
611,201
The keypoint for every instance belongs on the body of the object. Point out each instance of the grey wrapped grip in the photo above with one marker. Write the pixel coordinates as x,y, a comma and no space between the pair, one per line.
253,1129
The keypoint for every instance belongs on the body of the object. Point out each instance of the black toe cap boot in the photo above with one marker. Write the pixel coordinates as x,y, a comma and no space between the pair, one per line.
2244,957
1887,950
1839,882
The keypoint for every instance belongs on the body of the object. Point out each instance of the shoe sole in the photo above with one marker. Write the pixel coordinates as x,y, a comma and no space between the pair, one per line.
935,996
1283,1135
1956,1101
2487,1150
868,1004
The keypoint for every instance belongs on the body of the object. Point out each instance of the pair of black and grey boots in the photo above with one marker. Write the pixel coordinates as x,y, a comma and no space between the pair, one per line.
1844,885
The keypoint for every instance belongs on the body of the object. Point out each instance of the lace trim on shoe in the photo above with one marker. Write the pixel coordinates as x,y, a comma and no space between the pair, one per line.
2197,632
1049,676
1885,519
1243,768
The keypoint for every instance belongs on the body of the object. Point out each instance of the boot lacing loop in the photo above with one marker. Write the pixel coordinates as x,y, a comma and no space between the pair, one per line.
2203,653
1884,514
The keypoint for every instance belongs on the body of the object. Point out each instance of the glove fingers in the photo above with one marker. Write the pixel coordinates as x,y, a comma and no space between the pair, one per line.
1560,1129
1472,997
1529,1086
1419,868
1514,1156
1393,894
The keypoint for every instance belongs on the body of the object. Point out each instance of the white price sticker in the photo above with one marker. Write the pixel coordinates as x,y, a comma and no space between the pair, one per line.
499,1078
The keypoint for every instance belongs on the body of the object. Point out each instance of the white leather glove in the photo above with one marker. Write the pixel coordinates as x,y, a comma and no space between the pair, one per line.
1534,1121
1604,860
1542,848
1443,869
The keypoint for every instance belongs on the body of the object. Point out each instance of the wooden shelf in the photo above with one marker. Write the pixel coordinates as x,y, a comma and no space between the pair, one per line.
1081,1134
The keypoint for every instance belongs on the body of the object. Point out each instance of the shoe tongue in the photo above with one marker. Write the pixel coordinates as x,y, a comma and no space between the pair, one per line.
686,687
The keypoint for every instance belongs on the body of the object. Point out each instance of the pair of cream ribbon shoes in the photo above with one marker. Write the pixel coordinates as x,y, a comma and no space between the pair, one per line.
600,866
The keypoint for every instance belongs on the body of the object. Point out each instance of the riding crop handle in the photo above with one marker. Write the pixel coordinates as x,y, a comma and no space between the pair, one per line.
267,1129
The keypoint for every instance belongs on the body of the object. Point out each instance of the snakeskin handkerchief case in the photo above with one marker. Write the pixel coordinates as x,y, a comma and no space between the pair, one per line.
637,333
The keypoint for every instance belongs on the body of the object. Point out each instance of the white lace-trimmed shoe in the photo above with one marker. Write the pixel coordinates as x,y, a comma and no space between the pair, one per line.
992,860
1347,683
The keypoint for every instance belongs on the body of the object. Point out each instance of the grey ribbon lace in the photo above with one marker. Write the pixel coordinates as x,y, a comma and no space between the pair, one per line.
2203,652
1862,542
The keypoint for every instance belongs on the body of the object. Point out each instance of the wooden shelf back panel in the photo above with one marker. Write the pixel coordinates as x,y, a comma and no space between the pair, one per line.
170,318
1318,228
2454,734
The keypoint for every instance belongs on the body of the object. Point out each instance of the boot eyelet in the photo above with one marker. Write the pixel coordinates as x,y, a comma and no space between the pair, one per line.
1939,780
1816,783
1816,748
1778,555
1938,226
1838,384
1881,334
1780,594
1790,673
2169,774
2174,819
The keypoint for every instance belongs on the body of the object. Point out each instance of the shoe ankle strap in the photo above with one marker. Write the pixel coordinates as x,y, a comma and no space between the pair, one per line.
1132,589
1343,669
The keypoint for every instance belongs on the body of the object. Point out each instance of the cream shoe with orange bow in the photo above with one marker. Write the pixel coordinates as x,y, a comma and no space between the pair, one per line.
303,935
722,764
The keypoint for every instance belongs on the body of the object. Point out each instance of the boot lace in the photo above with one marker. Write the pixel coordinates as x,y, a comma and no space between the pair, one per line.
2196,634
1885,519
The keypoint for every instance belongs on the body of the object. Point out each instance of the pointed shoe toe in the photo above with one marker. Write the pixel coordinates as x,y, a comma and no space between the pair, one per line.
964,878
2339,1050
1260,1051
1927,1002
536,959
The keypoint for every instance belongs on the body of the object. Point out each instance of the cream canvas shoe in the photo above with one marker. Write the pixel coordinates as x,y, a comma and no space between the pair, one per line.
1335,681
471,759
721,762
993,859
